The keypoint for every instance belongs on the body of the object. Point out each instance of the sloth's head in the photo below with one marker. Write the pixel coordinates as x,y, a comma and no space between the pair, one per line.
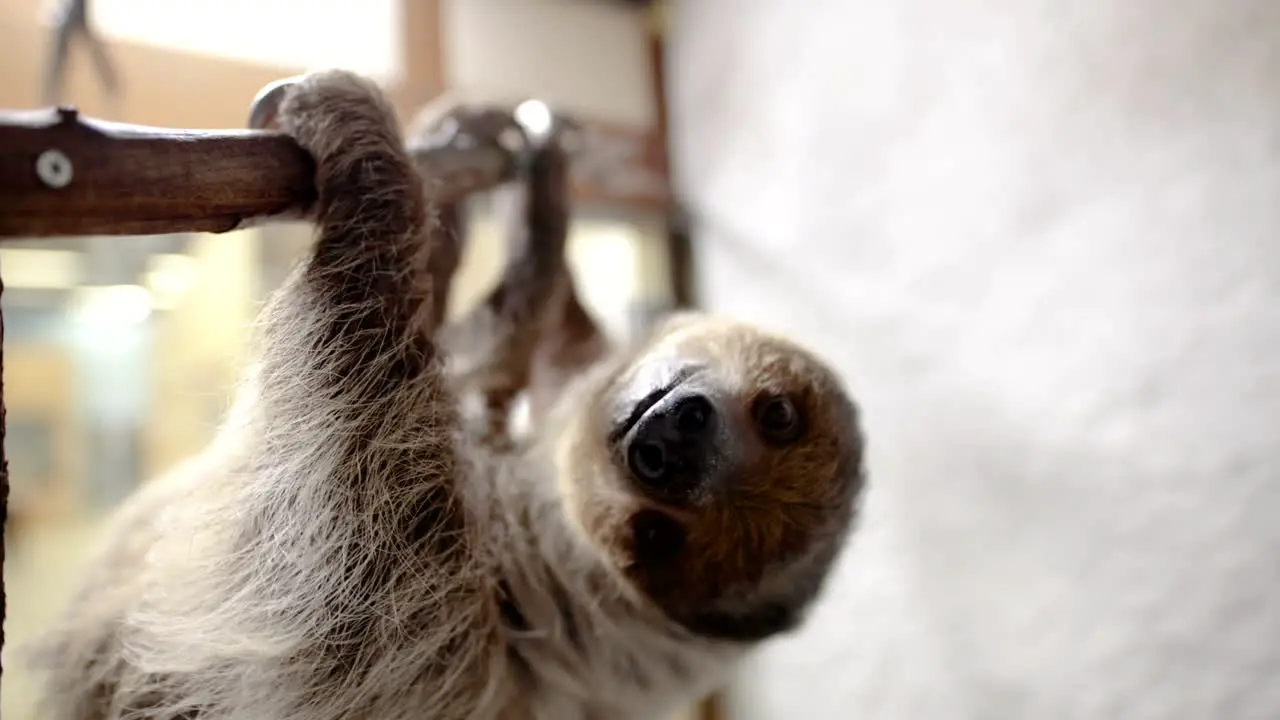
718,469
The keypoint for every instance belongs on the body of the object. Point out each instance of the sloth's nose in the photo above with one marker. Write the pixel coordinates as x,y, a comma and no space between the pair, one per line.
675,442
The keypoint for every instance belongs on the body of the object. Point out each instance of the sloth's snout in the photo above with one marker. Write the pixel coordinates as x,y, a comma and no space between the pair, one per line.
676,444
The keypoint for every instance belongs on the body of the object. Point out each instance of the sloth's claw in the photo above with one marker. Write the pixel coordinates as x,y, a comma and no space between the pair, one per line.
266,104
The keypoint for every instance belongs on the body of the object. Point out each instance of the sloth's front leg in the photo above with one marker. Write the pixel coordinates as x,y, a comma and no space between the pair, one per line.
366,510
493,346
447,126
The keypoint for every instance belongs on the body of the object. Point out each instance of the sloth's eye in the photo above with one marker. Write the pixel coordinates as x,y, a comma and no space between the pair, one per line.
778,419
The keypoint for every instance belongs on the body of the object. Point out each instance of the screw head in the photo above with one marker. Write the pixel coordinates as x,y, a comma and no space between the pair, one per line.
54,168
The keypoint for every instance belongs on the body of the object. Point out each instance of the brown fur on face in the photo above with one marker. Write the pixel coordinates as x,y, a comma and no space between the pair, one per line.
743,556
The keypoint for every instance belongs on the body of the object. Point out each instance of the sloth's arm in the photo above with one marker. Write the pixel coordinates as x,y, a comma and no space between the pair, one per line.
350,382
364,291
495,343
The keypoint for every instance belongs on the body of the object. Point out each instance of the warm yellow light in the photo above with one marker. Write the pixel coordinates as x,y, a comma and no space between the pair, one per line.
111,305
38,269
168,278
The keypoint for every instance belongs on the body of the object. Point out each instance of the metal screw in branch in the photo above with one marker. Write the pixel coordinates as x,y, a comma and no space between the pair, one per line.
54,168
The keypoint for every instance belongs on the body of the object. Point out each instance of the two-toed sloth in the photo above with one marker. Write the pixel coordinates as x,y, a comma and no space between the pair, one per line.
363,541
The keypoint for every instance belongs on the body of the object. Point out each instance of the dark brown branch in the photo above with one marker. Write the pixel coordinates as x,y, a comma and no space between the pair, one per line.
136,180
129,179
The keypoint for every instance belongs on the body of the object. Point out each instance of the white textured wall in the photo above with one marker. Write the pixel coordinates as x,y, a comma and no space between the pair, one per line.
581,56
1041,240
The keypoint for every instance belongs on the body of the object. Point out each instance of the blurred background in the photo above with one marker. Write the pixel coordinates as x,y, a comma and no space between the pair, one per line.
1040,241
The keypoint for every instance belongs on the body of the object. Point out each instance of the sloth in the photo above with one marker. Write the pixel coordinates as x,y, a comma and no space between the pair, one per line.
366,538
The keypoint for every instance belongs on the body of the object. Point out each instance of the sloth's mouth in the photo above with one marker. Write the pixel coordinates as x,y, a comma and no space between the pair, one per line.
646,403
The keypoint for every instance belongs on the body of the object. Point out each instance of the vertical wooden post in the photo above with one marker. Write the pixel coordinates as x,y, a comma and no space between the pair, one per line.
679,245
423,61
4,483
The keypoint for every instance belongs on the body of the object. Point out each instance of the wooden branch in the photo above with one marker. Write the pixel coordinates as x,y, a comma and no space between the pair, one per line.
61,174
64,175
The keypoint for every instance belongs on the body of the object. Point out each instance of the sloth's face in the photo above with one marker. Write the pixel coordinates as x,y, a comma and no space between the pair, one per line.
725,471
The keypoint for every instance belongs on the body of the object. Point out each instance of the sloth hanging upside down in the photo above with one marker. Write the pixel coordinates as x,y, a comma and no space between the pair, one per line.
364,539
